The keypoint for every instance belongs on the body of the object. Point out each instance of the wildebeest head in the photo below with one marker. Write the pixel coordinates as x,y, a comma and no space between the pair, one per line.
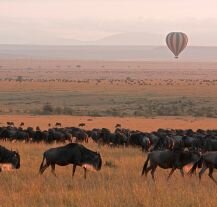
15,159
98,161
95,163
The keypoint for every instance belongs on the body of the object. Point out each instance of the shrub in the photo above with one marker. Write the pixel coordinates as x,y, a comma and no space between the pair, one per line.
47,109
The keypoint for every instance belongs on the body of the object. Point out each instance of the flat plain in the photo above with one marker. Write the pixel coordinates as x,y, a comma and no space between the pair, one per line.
138,95
108,88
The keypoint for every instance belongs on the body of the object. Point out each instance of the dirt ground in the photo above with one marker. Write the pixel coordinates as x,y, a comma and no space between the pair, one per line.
134,123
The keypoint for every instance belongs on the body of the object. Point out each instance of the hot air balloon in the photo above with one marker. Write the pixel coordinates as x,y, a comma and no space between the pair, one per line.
176,42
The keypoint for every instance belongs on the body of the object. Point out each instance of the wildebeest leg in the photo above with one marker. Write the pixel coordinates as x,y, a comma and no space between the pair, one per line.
42,169
171,172
85,173
42,166
53,169
73,170
145,169
148,169
152,172
210,174
202,171
182,172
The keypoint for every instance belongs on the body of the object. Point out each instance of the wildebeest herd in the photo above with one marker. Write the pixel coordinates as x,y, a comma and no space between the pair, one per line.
167,148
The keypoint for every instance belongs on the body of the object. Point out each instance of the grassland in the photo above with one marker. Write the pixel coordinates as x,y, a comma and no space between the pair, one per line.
138,95
108,88
117,184
147,98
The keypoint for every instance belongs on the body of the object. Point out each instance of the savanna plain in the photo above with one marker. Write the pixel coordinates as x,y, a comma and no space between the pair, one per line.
138,95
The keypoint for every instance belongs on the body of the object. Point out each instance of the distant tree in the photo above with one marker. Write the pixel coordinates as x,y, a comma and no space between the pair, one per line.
19,78
48,109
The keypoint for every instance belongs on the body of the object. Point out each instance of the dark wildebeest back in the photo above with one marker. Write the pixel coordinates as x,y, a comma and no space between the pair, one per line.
169,159
72,153
207,160
210,145
9,156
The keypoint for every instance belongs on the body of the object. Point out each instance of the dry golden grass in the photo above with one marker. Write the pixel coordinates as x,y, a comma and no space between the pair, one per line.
119,185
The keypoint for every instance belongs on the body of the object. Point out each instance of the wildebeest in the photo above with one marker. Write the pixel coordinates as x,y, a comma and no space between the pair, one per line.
210,145
112,139
55,135
117,125
140,139
58,124
80,134
8,133
207,160
81,124
9,157
72,153
21,124
169,159
10,123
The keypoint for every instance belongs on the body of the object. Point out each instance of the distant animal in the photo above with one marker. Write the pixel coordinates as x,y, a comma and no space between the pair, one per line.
73,153
9,123
81,125
207,160
9,157
37,128
58,124
140,139
49,125
80,134
117,125
169,159
21,124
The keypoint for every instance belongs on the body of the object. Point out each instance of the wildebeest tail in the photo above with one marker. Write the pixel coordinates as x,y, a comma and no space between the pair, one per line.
42,164
145,165
196,164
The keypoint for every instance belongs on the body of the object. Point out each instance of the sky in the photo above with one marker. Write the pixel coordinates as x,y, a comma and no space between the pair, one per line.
63,21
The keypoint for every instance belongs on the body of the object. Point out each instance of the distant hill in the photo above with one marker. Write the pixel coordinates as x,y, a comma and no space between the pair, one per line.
133,38
107,52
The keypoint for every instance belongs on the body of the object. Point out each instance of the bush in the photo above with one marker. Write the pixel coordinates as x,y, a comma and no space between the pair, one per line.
67,111
47,109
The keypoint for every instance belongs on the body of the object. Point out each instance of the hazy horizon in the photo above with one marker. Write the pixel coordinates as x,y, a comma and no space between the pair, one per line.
109,52
54,22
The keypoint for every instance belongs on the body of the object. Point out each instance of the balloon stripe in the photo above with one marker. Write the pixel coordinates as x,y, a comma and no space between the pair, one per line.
169,42
181,43
185,41
176,42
